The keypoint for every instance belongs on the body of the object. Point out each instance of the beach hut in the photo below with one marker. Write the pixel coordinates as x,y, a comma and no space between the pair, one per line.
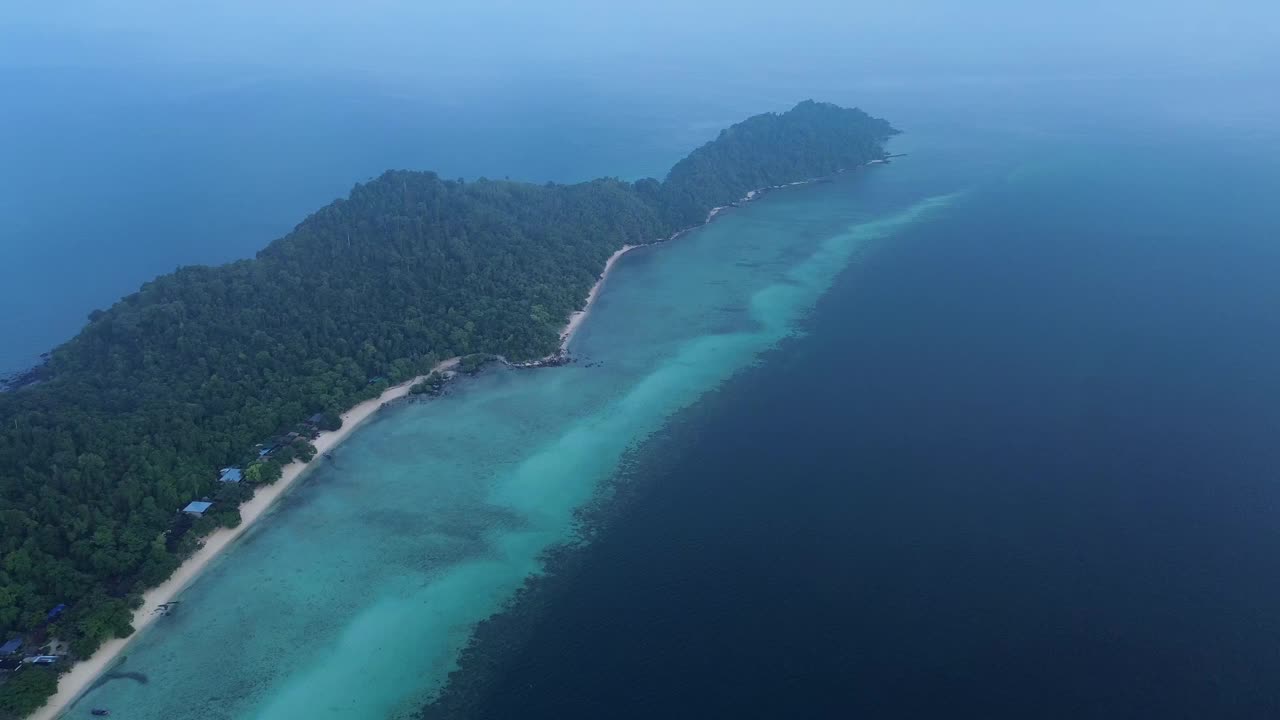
197,508
231,475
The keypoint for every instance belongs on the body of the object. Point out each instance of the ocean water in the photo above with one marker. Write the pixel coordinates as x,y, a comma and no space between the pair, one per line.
112,177
984,432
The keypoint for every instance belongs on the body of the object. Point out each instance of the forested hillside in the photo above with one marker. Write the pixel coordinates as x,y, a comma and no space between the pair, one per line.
133,417
812,140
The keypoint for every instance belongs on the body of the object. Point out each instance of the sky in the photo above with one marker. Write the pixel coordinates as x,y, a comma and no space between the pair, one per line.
401,37
1163,55
139,135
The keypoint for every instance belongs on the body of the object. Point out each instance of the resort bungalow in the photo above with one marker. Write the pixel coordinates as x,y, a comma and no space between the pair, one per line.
197,508
231,475
11,647
266,450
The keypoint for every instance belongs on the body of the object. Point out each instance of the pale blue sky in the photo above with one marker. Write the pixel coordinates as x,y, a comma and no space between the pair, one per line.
396,37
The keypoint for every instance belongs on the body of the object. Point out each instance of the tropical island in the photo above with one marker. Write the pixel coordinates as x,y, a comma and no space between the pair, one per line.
152,428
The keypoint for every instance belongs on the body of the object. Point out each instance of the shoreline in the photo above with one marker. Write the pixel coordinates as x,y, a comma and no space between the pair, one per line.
577,317
76,682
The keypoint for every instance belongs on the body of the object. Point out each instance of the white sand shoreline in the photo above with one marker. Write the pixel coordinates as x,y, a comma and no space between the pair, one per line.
577,317
76,682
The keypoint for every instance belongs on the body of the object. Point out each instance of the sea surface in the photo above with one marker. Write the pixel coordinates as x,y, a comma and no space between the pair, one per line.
985,432
112,177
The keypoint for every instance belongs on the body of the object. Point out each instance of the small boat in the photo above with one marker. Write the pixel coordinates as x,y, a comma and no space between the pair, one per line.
100,712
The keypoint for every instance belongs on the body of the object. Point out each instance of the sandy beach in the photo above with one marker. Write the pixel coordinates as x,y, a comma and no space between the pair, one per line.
75,682
576,318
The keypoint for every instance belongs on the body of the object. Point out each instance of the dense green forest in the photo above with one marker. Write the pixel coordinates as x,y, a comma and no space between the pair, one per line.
133,417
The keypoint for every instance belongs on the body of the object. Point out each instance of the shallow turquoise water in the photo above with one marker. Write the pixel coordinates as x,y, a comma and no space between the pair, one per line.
353,598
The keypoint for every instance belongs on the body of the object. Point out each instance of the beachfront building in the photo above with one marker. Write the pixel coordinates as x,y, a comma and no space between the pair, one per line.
197,508
231,475
11,647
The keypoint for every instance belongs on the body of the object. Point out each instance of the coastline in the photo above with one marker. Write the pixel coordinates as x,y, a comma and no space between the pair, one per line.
577,317
77,681
11,380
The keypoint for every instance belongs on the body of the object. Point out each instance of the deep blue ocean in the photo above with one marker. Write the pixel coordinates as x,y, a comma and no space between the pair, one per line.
1022,464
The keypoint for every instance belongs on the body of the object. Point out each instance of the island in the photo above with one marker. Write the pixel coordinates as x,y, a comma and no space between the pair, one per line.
152,428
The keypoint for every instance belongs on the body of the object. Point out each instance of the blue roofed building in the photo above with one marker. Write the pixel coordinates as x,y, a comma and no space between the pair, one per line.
231,475
11,647
197,508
